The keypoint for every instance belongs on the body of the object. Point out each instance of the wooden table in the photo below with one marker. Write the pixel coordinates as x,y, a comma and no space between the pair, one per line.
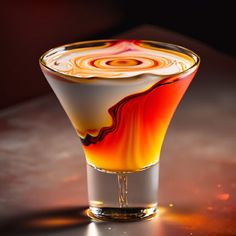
43,171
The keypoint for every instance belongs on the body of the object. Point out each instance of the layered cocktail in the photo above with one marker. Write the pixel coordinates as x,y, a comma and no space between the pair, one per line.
120,96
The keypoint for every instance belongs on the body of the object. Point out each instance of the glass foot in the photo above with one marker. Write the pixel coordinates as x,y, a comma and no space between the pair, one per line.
122,196
121,214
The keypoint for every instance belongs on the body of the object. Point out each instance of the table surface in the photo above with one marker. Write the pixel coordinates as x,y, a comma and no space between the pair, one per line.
43,171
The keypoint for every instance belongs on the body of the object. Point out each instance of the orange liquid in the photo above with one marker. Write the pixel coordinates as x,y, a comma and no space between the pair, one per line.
140,121
120,96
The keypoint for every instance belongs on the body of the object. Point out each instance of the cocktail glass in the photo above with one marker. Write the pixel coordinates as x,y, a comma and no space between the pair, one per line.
120,96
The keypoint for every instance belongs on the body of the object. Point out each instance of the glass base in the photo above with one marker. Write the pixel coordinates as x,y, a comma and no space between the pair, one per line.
121,214
122,196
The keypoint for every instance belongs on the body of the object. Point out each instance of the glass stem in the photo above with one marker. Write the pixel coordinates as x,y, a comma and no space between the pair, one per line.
122,190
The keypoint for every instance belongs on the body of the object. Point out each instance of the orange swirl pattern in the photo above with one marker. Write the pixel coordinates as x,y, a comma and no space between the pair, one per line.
121,123
117,59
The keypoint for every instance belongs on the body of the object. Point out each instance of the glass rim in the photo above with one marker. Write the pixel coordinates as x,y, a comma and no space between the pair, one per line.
168,46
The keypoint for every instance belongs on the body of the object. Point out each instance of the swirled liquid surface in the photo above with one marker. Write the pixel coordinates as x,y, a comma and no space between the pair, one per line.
118,59
120,96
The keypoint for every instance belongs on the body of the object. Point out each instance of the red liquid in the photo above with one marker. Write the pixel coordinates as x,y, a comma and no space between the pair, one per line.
140,121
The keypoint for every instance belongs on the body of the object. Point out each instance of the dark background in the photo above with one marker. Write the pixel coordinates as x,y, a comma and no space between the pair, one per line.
31,27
